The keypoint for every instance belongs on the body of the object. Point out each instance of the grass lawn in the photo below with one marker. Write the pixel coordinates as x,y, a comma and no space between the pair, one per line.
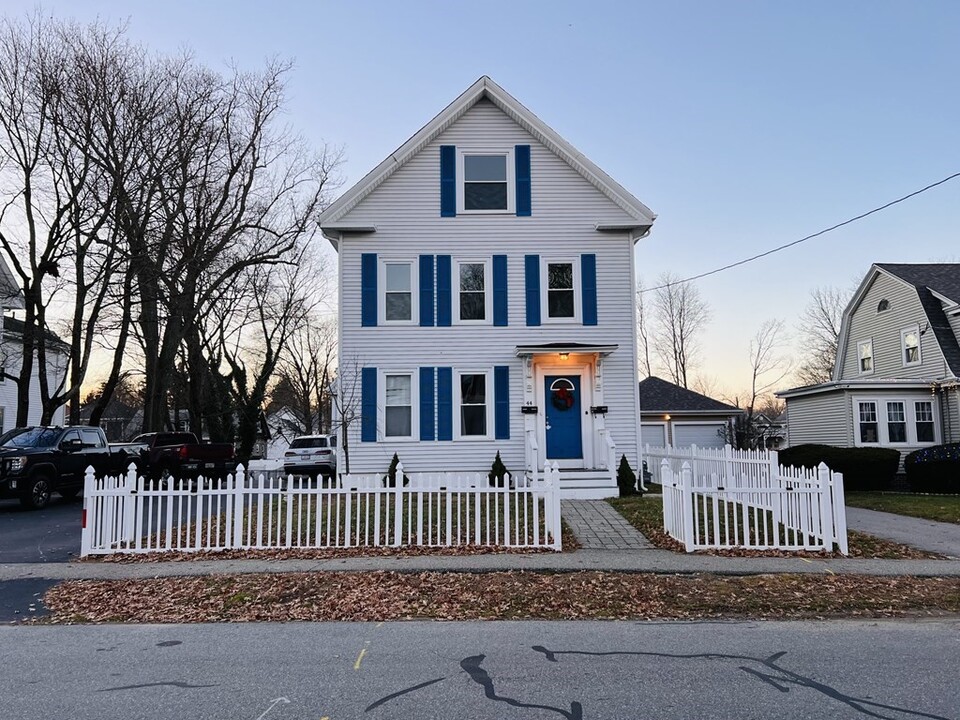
646,514
943,508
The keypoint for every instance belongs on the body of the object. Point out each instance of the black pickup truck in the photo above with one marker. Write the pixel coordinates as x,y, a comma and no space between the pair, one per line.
177,455
37,461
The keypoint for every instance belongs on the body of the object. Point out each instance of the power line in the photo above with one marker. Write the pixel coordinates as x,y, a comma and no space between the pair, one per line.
808,237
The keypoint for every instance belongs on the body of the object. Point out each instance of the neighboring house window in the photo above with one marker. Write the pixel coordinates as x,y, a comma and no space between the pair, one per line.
561,290
487,181
910,344
398,406
473,405
883,305
398,296
869,428
473,291
924,420
896,422
866,357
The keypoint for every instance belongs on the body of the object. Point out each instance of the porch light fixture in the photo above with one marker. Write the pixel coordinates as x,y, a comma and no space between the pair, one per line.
666,417
564,356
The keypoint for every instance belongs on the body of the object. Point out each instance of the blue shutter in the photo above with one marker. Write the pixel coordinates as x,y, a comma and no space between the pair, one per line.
521,155
426,404
531,265
443,290
588,288
368,405
448,181
368,290
500,290
444,403
426,291
501,395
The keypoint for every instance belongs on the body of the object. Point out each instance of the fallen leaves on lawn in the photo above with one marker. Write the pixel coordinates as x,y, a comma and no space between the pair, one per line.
380,596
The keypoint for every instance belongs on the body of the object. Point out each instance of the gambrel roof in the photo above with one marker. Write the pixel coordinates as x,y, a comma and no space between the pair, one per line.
485,88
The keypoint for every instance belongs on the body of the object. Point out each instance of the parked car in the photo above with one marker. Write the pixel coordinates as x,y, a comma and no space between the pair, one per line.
311,455
38,461
178,455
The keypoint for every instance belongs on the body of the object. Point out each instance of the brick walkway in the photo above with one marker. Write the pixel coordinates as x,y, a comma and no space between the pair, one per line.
599,527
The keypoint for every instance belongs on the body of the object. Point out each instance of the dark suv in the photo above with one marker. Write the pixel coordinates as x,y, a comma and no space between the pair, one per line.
36,461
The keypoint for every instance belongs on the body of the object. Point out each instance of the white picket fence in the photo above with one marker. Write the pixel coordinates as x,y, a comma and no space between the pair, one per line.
725,498
128,514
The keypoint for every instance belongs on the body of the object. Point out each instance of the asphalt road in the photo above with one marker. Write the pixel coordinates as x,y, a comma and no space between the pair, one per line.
572,670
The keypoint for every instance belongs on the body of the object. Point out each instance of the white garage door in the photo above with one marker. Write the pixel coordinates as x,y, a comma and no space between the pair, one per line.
699,434
653,435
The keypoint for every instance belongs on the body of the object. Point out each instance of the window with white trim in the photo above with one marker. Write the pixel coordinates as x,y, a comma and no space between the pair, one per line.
910,345
869,428
487,181
896,422
474,292
561,289
865,354
923,410
398,406
474,405
398,295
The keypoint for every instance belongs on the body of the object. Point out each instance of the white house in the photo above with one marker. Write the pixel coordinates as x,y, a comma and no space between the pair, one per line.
486,294
895,383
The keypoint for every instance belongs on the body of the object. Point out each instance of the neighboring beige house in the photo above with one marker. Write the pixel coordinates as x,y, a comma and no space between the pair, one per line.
673,415
895,383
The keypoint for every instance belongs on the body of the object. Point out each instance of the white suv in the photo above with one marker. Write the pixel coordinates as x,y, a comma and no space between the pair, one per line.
311,455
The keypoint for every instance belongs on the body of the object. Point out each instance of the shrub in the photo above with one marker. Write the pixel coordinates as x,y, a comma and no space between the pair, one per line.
862,468
498,472
934,469
391,478
627,479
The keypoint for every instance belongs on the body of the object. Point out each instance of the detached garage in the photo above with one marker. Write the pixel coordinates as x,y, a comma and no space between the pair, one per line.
672,415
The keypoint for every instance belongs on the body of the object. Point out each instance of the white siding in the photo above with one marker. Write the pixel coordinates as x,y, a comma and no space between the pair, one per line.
884,329
406,212
823,419
12,354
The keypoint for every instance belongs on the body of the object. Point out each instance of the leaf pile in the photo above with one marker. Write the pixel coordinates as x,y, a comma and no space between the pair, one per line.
380,596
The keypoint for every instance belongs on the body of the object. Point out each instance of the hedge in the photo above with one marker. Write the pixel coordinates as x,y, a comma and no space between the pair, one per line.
934,469
862,468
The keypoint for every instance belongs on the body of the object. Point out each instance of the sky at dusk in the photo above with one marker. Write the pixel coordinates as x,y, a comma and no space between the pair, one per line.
743,125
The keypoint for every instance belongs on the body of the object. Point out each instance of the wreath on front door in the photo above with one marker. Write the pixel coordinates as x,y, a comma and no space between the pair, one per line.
562,398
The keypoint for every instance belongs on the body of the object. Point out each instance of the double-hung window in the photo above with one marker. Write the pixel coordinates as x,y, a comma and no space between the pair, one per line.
488,181
869,427
924,420
398,406
896,422
398,296
474,405
473,292
865,354
910,345
561,289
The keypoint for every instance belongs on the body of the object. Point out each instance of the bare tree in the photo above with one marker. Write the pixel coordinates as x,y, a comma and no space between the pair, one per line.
819,331
769,366
643,331
303,375
680,315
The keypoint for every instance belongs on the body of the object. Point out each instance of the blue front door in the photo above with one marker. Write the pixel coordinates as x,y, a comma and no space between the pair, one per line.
562,399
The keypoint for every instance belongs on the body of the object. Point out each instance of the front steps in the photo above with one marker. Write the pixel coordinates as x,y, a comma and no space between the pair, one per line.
588,484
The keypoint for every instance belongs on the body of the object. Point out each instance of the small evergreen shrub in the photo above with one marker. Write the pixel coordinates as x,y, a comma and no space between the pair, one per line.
391,478
498,472
862,468
934,469
627,479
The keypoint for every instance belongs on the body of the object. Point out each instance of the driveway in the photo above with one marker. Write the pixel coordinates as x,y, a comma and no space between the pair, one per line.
40,536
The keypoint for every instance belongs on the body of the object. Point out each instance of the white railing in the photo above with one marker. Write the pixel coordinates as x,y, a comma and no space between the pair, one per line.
611,462
726,499
532,455
129,514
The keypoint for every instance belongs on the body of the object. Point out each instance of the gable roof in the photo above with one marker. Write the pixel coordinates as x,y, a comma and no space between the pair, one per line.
936,284
13,329
660,396
485,88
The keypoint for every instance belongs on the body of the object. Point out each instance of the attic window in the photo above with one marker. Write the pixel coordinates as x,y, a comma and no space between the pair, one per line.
884,305
487,181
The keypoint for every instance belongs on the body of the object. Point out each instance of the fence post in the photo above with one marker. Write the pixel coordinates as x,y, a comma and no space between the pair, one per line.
288,496
728,479
665,477
826,506
398,508
554,491
130,504
839,512
238,487
686,490
86,525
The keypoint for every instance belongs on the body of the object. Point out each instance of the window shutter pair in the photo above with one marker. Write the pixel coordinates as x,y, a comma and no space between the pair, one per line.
448,180
588,288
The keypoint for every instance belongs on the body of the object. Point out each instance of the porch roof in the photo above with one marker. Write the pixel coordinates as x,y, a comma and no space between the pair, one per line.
554,348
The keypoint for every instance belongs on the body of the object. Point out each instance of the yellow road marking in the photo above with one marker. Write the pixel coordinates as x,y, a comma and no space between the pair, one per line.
356,665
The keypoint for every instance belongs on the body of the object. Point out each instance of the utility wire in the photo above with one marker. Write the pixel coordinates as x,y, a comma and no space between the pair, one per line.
808,237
